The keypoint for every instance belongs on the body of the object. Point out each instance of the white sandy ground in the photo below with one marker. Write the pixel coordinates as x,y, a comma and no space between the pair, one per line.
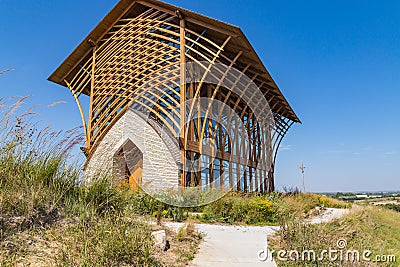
239,246
329,215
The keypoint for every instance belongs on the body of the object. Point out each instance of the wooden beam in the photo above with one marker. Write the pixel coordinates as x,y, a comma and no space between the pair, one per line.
182,62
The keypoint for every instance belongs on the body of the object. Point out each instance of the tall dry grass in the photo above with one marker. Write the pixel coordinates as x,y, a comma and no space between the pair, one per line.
45,209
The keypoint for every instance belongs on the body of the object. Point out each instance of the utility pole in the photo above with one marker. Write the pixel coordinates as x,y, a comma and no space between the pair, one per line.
303,168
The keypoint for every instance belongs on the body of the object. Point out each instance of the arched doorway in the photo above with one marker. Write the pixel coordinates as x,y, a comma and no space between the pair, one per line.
128,164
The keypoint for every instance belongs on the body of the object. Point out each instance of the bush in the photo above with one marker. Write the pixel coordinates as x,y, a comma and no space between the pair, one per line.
141,203
252,208
394,207
240,208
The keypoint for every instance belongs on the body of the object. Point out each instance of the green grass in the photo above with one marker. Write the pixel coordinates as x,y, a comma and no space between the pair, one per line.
367,228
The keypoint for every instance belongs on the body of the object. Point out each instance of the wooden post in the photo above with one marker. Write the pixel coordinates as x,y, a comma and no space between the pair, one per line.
92,80
271,184
221,148
190,135
182,95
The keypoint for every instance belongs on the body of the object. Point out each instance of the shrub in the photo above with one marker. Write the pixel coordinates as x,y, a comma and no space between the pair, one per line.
240,208
252,208
186,231
141,203
394,207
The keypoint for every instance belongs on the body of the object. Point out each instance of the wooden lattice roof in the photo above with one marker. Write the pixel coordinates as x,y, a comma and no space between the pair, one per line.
216,31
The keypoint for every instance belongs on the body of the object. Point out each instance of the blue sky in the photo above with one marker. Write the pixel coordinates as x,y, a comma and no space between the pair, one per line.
337,62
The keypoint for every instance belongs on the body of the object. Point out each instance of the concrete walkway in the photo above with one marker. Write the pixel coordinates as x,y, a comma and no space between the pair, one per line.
236,246
239,246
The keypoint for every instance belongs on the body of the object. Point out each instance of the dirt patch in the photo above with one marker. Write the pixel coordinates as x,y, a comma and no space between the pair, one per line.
183,245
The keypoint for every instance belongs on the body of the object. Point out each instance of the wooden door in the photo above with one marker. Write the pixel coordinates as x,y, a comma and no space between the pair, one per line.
135,179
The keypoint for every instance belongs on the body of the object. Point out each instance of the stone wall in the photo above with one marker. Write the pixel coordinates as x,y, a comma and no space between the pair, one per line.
160,166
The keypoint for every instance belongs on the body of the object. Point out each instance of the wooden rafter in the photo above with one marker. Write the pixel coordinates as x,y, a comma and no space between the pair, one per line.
125,53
